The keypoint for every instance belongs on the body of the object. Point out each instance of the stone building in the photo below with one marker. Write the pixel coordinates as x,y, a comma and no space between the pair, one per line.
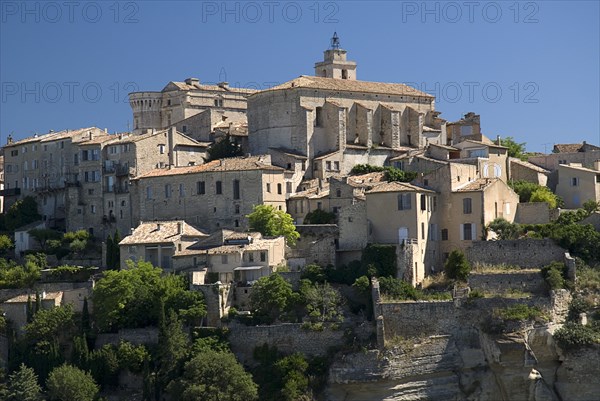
577,184
157,241
406,215
218,194
583,153
525,171
336,121
193,107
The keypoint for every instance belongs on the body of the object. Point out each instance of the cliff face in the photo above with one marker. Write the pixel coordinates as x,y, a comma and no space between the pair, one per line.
468,364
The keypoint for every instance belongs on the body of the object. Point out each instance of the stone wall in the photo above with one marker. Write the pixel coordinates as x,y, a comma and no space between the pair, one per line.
523,252
532,213
287,337
499,283
146,335
9,293
316,245
408,319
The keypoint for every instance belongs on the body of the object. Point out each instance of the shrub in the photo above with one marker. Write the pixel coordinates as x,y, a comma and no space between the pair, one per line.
314,273
457,267
574,335
319,216
518,312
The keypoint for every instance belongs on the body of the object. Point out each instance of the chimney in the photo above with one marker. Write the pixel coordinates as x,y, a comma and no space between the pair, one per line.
106,130
158,226
192,81
224,85
131,230
179,227
498,141
91,135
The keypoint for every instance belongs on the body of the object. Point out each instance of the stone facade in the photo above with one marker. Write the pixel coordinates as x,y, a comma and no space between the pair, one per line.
219,194
577,184
528,252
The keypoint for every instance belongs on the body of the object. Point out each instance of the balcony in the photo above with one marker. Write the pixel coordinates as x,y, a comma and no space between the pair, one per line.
122,170
10,192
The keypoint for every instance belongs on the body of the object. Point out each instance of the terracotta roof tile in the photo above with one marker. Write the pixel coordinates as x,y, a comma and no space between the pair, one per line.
348,85
149,233
229,164
477,185
396,186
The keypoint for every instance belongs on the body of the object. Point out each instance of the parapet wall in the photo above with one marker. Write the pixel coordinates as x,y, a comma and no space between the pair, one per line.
499,283
407,319
523,252
287,337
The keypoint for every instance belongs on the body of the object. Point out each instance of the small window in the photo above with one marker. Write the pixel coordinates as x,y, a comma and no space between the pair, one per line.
237,209
422,230
93,209
338,193
344,74
328,165
467,206
218,187
250,257
404,202
444,234
597,177
167,190
268,187
224,259
148,192
319,117
279,189
423,202
574,181
181,190
200,188
263,256
236,189
336,166
467,232
161,149
218,102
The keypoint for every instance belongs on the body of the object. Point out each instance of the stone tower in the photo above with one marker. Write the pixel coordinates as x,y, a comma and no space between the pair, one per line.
334,64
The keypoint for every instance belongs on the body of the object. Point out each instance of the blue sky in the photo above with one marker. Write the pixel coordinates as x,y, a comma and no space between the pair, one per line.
531,69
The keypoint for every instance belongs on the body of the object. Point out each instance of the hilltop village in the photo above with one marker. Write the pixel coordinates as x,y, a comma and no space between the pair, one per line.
335,235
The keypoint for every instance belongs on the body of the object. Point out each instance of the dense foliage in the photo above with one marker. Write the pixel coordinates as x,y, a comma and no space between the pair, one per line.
319,216
457,267
531,192
20,213
224,148
69,383
271,222
391,173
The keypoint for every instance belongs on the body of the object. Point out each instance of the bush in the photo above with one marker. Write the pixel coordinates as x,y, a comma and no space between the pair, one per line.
518,312
575,335
577,307
314,273
457,267
554,275
319,216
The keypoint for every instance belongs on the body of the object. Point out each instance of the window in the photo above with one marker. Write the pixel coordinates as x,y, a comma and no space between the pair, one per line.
236,209
218,102
236,223
224,259
319,205
422,230
338,193
467,206
123,203
218,187
184,128
433,232
93,209
161,149
288,187
263,256
574,181
250,257
319,117
236,189
467,232
597,177
167,190
423,202
92,176
344,74
14,152
148,192
181,190
404,202
268,187
328,165
75,159
200,188
279,189
336,166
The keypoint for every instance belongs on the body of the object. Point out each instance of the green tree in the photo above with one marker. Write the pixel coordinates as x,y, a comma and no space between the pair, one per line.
214,376
591,206
68,383
224,148
319,216
544,194
5,244
20,213
504,229
457,267
43,236
514,149
51,323
173,347
323,302
23,386
116,250
271,296
271,222
109,252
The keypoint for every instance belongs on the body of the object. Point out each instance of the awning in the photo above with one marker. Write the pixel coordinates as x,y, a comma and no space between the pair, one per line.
248,268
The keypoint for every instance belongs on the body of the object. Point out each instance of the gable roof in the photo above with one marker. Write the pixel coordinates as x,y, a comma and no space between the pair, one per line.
348,85
150,233
574,147
477,185
396,186
229,164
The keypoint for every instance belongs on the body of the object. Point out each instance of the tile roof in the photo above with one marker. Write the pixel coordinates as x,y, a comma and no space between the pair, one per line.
289,152
229,164
366,180
477,185
575,167
186,87
348,85
149,233
23,297
396,186
573,147
53,136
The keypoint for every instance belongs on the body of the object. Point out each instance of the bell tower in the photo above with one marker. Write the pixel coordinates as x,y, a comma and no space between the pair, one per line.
334,64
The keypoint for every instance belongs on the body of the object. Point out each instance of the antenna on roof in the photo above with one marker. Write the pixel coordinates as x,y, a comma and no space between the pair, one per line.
335,41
